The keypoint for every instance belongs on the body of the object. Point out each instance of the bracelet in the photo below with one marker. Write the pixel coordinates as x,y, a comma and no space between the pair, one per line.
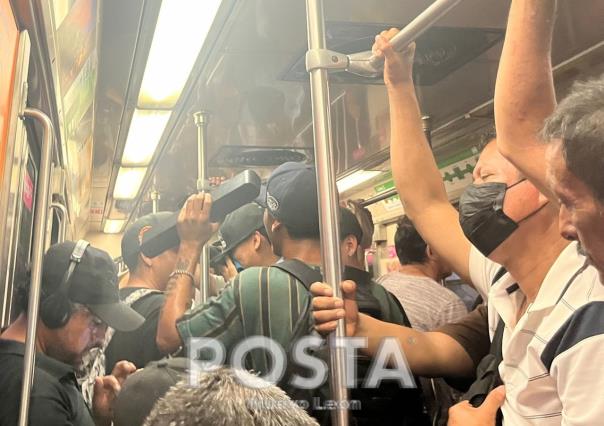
183,272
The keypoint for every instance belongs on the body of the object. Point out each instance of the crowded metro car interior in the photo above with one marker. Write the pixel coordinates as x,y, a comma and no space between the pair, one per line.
182,169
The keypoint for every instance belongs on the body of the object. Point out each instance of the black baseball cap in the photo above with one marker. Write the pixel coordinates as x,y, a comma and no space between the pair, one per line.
93,284
291,196
144,388
131,245
238,226
349,225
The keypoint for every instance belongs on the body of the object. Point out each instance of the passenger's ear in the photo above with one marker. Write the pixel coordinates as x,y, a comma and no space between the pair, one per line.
350,246
429,253
146,260
257,240
542,199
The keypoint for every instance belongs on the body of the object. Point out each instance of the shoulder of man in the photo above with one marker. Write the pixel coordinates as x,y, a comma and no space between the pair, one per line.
251,278
146,301
392,310
269,298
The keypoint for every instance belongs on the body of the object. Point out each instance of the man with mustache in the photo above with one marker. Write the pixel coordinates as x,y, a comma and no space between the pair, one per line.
79,300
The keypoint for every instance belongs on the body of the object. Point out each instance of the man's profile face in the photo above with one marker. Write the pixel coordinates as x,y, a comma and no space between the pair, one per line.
581,215
246,254
83,332
164,265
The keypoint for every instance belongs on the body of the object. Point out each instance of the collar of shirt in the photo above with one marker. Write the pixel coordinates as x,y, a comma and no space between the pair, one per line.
55,368
507,298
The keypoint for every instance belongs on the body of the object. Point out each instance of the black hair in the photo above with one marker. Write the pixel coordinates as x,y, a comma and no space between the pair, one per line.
303,232
579,122
410,246
349,225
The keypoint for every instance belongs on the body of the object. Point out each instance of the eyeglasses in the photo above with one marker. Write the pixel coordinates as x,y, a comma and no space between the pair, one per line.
94,320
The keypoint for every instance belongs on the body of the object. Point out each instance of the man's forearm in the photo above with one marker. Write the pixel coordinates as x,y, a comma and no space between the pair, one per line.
429,354
179,295
524,93
415,172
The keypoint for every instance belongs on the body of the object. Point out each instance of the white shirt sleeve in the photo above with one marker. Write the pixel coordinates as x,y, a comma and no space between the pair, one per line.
580,377
482,271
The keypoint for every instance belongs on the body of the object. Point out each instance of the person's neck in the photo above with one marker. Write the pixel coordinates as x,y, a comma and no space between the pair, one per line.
308,251
418,270
143,280
269,256
354,264
17,332
533,257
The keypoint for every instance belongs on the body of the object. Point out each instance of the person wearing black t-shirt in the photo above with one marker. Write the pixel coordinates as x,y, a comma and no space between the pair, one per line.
78,301
148,279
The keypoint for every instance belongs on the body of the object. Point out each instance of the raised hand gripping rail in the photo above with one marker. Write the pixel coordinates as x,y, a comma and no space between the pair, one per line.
365,63
40,218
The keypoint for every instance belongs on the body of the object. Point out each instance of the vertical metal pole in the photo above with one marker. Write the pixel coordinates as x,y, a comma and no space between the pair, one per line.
328,202
41,215
155,196
201,121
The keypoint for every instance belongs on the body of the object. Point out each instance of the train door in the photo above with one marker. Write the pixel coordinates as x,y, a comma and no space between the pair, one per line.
18,169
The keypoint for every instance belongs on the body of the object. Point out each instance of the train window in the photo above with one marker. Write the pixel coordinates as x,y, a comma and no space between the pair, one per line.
24,229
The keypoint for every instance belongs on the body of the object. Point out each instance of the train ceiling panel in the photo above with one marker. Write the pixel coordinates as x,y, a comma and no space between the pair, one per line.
257,97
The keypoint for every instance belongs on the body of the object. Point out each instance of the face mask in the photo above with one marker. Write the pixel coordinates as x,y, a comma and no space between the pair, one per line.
482,218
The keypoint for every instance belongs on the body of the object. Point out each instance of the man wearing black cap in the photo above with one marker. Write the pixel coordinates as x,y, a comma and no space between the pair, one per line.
79,300
271,301
222,318
149,278
244,238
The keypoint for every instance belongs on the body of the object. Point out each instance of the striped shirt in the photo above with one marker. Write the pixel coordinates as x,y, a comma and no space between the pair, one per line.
262,301
552,356
427,303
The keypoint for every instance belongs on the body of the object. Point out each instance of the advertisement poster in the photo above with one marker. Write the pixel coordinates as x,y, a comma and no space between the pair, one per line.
76,38
9,40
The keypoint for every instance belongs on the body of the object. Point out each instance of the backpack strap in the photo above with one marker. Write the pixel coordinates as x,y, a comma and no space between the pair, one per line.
139,294
307,276
301,271
497,342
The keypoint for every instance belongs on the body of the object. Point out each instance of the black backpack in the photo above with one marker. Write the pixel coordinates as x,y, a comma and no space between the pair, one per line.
388,404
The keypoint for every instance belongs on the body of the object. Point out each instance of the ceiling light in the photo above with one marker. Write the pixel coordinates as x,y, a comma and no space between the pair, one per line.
113,226
182,27
128,182
356,179
146,129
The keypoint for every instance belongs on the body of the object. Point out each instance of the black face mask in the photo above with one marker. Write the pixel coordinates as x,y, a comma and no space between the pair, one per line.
482,218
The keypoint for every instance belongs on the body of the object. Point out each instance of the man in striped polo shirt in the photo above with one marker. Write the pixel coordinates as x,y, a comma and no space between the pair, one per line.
267,301
547,302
